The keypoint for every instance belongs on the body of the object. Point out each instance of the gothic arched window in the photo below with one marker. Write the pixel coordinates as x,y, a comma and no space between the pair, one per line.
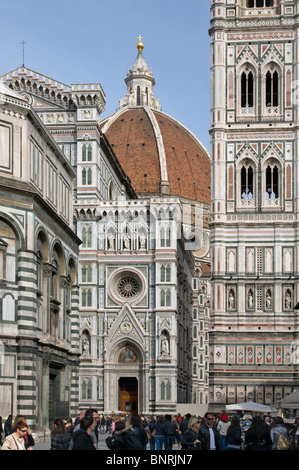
89,176
272,88
272,184
247,89
247,185
83,176
84,153
89,153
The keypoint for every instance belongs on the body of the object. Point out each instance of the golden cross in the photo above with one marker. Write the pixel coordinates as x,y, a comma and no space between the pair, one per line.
140,37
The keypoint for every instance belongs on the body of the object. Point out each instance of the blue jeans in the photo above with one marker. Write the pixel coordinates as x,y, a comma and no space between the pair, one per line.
223,442
152,443
169,441
159,442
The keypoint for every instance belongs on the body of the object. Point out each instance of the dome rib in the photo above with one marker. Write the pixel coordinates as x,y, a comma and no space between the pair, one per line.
161,150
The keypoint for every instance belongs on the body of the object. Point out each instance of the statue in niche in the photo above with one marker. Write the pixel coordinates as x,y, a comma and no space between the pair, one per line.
269,299
85,344
164,346
250,300
231,300
142,241
127,241
110,241
288,300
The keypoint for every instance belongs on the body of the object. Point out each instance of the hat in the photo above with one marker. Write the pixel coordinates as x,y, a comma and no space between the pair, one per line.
224,418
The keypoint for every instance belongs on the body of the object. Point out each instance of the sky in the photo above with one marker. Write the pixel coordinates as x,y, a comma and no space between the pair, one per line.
94,41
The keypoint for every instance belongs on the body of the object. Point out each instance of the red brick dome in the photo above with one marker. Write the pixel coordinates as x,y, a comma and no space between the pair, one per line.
157,152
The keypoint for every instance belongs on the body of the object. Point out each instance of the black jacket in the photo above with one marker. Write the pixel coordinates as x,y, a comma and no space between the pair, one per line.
60,441
235,439
184,425
171,428
82,440
189,437
204,437
135,437
252,442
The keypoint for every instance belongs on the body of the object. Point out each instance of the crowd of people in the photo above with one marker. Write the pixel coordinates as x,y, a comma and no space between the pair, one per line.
134,432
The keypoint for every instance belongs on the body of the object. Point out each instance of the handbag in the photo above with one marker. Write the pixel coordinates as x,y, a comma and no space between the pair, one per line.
283,442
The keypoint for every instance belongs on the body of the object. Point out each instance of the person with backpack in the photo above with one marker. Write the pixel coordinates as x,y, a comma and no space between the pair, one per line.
278,428
171,428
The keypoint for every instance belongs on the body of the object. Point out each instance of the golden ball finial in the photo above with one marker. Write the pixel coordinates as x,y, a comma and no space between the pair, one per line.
140,44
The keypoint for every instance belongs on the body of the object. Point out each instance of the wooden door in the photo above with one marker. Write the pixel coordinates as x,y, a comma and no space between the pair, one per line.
128,394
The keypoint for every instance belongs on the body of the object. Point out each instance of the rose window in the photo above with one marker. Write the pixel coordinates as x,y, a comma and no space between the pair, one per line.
127,287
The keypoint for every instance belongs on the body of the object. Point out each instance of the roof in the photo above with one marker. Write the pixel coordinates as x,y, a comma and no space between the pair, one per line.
5,90
291,401
156,151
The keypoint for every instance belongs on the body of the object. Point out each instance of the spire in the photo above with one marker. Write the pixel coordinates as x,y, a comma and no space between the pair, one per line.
140,83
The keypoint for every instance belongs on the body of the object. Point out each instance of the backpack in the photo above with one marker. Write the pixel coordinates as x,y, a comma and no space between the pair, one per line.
114,442
283,442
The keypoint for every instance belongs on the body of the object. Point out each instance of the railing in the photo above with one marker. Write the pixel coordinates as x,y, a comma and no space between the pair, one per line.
247,202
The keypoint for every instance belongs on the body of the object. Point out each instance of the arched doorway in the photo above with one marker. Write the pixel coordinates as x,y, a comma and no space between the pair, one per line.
126,379
128,394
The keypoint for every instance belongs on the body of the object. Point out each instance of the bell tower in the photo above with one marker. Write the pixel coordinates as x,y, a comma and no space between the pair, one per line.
254,213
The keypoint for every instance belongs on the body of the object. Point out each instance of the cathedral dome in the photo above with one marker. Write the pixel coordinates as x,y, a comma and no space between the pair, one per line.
159,154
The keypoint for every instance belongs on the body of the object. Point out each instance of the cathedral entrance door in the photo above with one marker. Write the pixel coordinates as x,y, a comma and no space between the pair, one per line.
128,395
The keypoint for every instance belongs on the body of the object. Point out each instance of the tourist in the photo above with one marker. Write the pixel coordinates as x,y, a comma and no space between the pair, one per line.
234,435
222,428
117,441
277,428
28,438
160,433
92,413
102,424
190,440
185,423
69,426
151,429
208,435
258,435
8,426
79,417
134,434
15,440
60,438
171,428
82,437
294,434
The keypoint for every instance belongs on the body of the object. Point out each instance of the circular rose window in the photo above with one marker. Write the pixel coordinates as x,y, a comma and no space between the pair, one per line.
127,287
